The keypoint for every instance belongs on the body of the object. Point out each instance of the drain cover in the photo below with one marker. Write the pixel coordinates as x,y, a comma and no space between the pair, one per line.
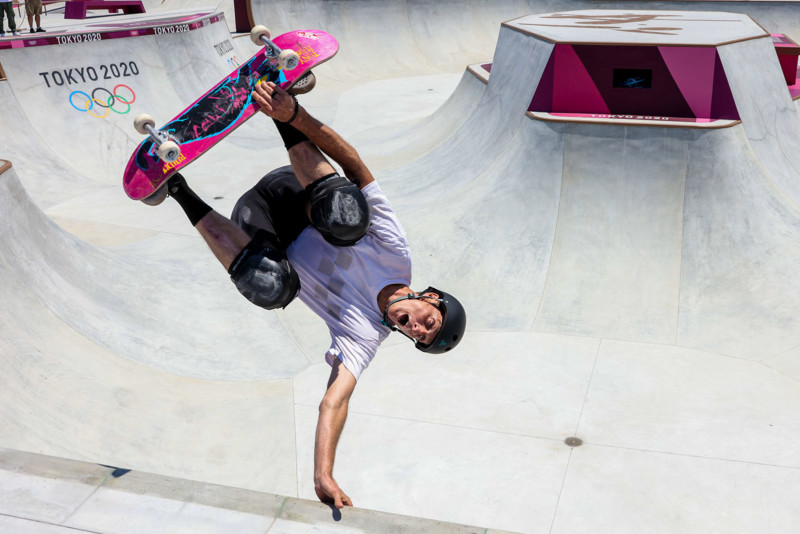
574,442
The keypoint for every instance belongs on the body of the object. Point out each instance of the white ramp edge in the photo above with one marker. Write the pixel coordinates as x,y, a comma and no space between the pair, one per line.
64,496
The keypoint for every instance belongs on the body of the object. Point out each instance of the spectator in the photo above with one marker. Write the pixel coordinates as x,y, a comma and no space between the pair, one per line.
7,9
34,8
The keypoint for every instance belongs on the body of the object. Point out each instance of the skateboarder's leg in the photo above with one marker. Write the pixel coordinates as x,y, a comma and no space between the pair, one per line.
309,163
224,238
260,273
337,208
263,274
272,213
276,205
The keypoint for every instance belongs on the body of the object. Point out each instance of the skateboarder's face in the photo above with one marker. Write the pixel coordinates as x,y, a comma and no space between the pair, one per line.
418,319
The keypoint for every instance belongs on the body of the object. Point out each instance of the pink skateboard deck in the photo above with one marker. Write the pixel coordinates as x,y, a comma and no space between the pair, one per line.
222,109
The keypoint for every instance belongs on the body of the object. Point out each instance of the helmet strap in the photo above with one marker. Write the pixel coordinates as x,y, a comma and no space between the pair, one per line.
410,296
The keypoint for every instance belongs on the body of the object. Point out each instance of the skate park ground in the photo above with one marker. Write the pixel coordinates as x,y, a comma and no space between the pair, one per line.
632,286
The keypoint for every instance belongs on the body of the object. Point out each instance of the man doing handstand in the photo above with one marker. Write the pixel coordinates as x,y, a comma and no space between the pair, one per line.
335,243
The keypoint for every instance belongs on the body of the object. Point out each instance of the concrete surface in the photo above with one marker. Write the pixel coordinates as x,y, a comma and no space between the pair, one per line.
51,495
633,286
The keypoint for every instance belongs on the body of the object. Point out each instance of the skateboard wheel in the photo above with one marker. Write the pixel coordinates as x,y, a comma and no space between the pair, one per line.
288,60
142,121
156,198
257,32
169,151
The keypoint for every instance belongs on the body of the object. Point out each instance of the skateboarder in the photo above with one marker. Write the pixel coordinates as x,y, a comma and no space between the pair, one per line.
334,242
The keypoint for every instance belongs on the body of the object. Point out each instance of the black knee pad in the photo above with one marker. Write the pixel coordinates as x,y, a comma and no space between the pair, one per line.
264,276
338,210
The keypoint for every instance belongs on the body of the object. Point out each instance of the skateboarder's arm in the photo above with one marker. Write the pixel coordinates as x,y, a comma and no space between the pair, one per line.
332,416
279,105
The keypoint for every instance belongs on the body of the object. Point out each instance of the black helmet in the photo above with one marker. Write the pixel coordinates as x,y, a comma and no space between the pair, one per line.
454,322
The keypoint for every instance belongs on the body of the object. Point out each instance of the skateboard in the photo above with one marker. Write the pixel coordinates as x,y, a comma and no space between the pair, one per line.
285,60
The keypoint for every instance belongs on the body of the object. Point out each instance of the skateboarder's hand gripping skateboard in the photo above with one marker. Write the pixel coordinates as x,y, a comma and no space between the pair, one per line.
275,102
285,61
279,105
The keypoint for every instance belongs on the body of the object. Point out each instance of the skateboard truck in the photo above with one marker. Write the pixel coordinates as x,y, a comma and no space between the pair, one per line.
287,59
168,150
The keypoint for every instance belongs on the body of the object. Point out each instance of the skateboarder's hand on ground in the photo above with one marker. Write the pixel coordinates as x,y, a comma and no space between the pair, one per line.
329,492
274,101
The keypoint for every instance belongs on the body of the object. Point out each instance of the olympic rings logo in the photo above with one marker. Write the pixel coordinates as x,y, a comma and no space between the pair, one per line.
87,104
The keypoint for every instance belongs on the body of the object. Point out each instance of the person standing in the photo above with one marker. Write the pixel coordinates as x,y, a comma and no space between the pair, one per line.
7,9
33,8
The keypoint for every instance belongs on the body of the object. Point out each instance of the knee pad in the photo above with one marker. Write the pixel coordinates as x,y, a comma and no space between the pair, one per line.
264,276
338,210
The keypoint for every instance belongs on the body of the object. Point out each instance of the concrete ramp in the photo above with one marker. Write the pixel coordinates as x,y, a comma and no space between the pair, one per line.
132,304
632,286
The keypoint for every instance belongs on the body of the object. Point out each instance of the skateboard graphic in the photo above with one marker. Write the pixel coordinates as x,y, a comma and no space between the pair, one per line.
285,60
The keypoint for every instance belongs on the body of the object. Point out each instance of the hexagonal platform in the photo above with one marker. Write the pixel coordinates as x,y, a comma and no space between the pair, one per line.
652,28
635,67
